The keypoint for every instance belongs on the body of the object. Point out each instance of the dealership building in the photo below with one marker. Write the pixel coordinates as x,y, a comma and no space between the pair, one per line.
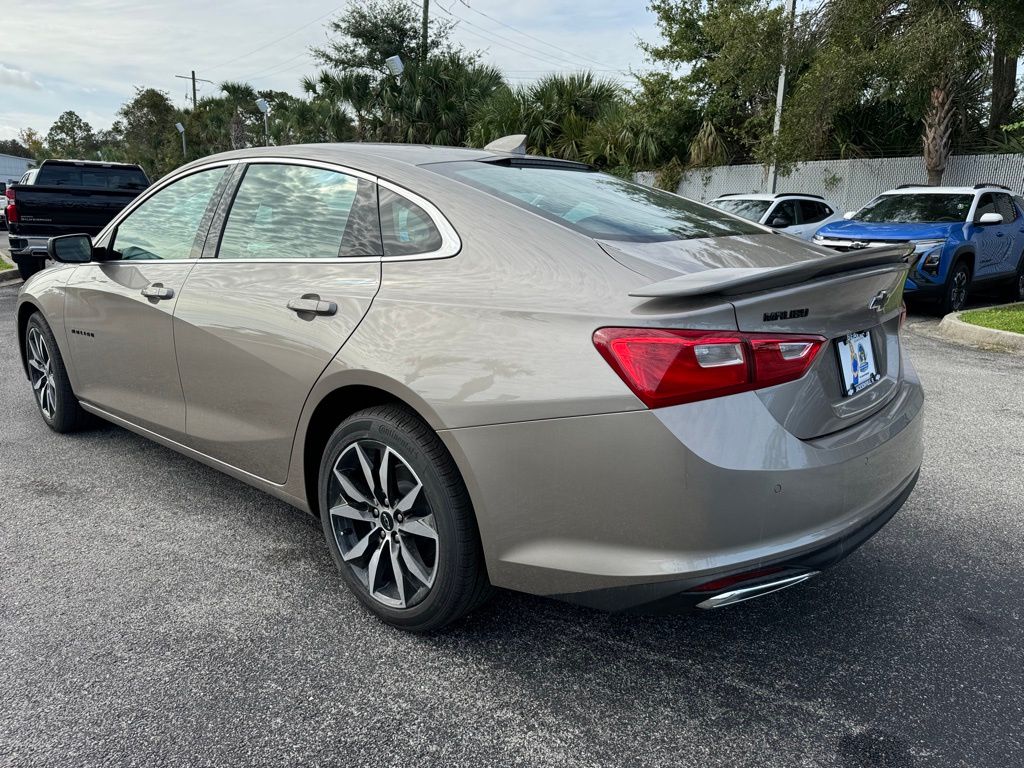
13,167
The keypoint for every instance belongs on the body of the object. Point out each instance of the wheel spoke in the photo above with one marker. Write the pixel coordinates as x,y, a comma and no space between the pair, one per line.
351,513
409,499
418,527
360,547
367,469
396,567
382,473
36,364
349,490
413,564
371,569
38,383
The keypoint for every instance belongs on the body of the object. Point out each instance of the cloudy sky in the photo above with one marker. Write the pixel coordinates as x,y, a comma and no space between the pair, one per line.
87,55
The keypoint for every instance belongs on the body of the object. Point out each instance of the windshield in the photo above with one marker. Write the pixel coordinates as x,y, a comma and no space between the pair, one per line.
752,210
596,204
916,208
92,177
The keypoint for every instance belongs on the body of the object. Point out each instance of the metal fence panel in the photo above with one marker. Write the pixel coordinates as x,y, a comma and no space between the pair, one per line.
851,183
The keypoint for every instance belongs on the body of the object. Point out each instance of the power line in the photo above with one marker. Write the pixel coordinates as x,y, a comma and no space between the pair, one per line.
520,48
274,69
277,39
534,37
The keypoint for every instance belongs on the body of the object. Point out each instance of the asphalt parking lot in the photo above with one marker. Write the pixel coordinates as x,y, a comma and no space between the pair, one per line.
155,612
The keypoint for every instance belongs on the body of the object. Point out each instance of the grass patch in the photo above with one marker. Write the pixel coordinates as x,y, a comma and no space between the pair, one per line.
4,265
1004,318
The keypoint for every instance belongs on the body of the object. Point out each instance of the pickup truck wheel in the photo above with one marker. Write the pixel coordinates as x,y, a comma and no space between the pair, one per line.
51,387
957,284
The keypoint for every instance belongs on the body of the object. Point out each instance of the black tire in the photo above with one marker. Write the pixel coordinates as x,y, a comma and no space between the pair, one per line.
955,291
64,413
1016,289
460,579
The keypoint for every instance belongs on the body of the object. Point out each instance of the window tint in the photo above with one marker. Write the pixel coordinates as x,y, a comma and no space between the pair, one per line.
916,207
299,212
812,211
987,204
597,204
165,226
1004,205
787,211
751,210
92,177
405,228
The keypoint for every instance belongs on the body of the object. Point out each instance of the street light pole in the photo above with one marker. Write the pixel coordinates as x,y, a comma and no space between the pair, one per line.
184,146
262,106
423,39
780,94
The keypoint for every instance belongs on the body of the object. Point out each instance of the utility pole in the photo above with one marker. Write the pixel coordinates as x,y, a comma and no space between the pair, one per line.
423,40
780,94
194,79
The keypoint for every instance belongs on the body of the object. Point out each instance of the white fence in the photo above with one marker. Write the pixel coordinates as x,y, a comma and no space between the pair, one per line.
851,183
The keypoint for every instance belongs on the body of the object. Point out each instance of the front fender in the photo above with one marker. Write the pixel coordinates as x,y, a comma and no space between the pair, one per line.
44,292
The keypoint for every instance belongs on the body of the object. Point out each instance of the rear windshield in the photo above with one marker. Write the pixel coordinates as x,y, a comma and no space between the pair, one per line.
92,177
911,208
752,210
596,204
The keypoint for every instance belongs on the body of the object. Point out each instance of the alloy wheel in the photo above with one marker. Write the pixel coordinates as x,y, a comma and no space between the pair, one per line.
383,524
41,373
958,292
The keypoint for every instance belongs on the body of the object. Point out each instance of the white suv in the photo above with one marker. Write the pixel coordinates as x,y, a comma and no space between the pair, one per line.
795,214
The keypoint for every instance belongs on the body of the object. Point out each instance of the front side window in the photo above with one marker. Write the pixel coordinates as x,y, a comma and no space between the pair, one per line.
166,226
916,208
751,210
596,204
812,212
1004,205
784,215
300,212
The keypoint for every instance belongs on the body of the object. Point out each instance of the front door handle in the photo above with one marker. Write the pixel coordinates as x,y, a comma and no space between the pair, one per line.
312,304
157,291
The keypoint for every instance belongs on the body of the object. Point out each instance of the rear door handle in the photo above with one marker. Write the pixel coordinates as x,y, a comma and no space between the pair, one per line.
313,305
157,291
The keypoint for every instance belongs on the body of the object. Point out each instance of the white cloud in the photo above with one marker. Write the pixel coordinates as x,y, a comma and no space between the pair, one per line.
18,78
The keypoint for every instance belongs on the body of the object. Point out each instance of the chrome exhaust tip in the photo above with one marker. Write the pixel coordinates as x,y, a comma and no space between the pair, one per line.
757,590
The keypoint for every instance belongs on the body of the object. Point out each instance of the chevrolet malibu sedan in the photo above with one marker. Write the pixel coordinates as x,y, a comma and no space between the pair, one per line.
484,369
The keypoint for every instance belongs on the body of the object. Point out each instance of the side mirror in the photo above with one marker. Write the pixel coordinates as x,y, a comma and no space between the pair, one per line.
990,218
778,222
849,215
70,249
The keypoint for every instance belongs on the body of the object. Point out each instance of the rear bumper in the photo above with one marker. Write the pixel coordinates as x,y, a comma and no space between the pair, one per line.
627,509
27,247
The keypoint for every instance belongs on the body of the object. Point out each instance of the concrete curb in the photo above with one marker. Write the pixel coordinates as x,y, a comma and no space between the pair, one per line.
953,328
9,274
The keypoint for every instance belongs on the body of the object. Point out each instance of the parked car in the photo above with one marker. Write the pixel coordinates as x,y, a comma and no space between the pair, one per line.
798,215
962,237
3,208
479,369
65,196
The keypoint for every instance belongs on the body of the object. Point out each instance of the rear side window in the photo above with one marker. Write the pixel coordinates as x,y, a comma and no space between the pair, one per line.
405,228
597,204
812,211
300,212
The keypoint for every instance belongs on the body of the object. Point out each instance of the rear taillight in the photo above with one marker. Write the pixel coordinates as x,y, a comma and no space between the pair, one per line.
667,367
11,212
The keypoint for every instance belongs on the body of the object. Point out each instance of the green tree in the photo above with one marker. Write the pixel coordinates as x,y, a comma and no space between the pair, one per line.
14,147
145,133
70,137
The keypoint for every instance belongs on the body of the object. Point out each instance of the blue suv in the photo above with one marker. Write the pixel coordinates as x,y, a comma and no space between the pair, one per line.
962,237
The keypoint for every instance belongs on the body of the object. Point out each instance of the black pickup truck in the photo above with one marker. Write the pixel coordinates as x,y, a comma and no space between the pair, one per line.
63,197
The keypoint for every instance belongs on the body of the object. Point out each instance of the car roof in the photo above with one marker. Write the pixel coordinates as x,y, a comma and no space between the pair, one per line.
769,197
87,163
923,189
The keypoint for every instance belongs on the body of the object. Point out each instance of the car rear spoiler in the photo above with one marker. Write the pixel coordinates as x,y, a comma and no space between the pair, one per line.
729,281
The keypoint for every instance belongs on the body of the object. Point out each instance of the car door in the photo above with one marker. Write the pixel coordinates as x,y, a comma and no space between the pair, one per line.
118,312
812,214
295,270
990,240
1009,234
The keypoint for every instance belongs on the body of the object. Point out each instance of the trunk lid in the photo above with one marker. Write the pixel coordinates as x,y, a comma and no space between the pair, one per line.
776,284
